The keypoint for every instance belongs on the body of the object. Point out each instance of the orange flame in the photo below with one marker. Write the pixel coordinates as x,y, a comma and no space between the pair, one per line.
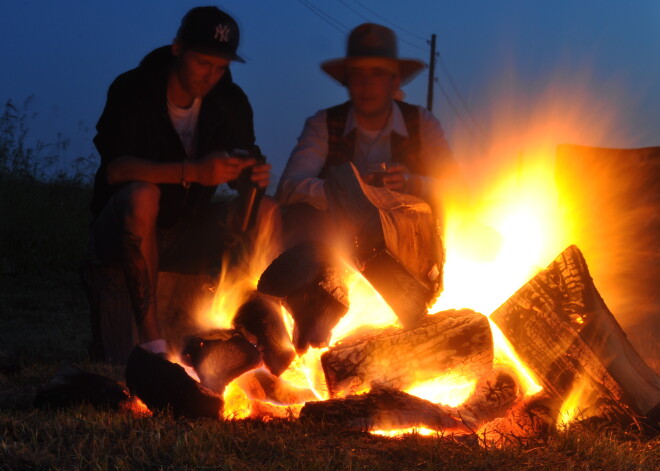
507,226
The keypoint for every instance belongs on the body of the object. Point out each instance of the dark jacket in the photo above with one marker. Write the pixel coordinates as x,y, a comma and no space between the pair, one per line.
136,122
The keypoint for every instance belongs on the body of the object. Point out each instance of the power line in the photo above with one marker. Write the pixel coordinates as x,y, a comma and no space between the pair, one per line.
476,135
354,10
389,22
338,25
462,101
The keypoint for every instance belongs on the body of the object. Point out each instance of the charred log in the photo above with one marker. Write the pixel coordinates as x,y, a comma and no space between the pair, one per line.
310,281
72,386
395,238
166,387
220,357
382,409
458,341
493,396
561,328
260,321
528,422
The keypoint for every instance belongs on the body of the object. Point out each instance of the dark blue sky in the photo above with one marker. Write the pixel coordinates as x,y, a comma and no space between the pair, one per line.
67,52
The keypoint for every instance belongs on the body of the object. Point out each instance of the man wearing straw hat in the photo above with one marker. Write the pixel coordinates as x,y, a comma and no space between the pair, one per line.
392,144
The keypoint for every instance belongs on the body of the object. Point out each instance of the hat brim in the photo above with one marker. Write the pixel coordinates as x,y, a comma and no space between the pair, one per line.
408,69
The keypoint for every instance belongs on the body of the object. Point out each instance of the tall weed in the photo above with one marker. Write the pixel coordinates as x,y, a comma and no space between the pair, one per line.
44,212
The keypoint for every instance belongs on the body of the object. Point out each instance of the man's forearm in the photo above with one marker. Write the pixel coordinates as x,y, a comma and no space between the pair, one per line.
128,168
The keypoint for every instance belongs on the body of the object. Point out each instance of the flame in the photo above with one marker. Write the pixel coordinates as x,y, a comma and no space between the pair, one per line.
503,225
577,404
450,389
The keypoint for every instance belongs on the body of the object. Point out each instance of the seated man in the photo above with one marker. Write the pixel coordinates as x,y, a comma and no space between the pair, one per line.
391,143
167,137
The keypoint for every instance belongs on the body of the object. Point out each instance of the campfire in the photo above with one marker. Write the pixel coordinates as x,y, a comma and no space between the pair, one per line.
520,341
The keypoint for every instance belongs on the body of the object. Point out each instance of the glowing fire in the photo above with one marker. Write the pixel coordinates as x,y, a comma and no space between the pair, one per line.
501,228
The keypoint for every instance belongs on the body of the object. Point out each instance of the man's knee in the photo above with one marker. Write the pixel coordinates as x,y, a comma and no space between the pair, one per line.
138,203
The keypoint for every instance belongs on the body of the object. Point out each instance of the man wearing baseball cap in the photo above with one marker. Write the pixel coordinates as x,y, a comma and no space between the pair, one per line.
392,144
166,139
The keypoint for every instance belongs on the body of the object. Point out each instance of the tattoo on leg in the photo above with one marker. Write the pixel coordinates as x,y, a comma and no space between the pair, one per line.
137,275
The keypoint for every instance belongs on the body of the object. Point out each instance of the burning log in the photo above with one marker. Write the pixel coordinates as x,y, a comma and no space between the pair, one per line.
220,357
383,409
493,396
260,321
164,386
495,405
455,340
310,281
564,332
529,420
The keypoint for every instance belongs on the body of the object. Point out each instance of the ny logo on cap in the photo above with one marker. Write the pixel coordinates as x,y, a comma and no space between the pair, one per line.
222,33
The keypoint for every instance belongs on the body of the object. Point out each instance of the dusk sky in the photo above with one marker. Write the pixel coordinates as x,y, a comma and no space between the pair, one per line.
66,53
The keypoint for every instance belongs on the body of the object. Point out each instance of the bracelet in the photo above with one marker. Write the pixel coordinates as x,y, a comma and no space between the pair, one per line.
184,183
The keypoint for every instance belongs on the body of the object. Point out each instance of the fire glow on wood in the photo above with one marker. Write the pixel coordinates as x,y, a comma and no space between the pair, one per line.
510,227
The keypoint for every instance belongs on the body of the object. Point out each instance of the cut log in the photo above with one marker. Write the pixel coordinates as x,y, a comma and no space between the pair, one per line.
563,331
260,320
528,422
450,341
219,357
395,238
382,409
310,280
494,394
165,387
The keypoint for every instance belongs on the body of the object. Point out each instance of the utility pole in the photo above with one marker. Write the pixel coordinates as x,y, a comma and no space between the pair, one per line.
429,95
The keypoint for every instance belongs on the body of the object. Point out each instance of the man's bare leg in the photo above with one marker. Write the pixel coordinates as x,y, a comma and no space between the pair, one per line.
137,204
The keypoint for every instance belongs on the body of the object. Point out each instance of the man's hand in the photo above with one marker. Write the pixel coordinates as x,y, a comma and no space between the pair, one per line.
261,174
219,167
396,178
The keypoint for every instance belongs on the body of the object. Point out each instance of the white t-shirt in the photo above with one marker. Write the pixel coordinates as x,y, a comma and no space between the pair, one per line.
184,121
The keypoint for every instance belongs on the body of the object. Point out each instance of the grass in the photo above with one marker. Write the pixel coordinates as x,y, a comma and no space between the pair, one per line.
44,319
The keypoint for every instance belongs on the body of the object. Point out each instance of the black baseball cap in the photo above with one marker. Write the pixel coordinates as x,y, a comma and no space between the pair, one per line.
210,30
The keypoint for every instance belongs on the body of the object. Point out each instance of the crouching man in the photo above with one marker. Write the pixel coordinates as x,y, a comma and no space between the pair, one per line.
167,137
